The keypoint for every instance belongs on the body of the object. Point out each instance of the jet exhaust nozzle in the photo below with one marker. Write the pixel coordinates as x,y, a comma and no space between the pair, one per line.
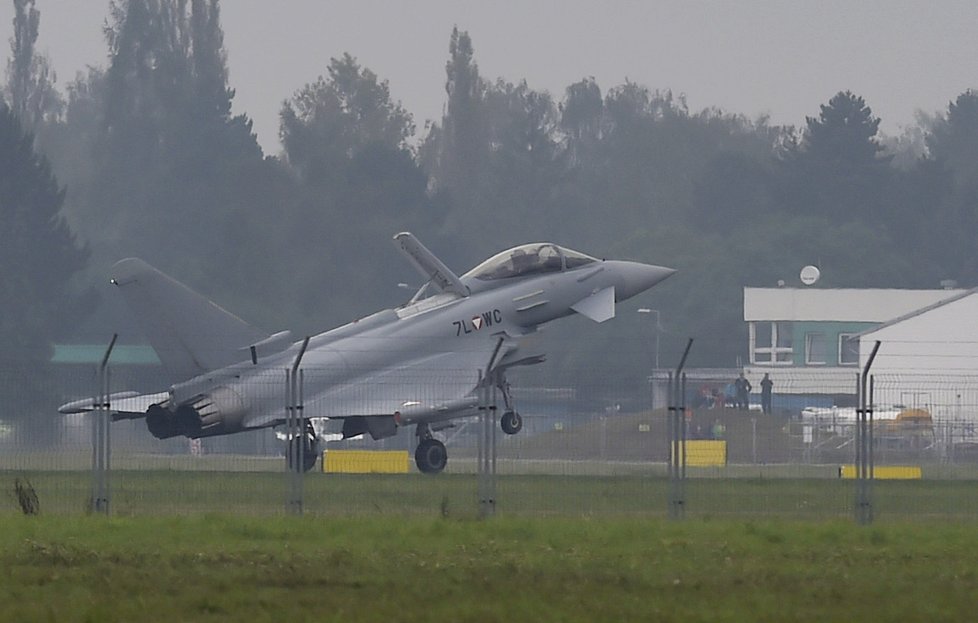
218,412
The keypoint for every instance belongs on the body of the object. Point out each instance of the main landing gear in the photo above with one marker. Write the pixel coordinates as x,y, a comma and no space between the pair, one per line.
431,457
309,450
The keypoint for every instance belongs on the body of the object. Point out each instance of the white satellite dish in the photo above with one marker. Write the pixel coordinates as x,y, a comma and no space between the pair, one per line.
809,275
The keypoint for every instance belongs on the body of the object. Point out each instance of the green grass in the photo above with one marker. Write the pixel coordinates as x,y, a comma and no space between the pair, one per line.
146,493
219,568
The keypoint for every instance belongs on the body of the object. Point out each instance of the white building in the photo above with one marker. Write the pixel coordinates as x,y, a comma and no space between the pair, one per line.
808,339
928,358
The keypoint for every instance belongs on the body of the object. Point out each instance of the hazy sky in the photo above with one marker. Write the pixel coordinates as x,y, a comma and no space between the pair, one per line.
746,56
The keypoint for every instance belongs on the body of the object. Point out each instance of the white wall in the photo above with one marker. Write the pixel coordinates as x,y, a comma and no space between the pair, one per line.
929,360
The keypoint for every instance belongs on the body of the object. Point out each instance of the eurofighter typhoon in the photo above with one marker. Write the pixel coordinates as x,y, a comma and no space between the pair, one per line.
422,364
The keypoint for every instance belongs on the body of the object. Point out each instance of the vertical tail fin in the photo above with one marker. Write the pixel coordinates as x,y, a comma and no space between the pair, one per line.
190,334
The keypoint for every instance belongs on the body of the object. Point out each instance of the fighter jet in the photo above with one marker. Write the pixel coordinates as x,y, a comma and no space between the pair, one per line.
422,364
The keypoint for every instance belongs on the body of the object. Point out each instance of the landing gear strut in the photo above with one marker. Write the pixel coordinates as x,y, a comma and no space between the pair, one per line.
430,455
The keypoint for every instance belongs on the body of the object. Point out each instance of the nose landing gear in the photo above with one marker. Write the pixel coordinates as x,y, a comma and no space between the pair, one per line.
511,422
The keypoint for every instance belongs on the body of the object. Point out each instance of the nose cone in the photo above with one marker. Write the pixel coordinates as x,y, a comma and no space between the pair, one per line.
636,278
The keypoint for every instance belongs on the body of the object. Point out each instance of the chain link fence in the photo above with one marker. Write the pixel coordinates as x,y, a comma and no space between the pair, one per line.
598,449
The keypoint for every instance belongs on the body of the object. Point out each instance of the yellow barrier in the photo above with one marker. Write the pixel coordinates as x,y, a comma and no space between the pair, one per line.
705,453
885,472
365,462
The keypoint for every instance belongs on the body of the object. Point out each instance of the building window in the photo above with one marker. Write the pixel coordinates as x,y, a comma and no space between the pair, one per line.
771,343
783,350
848,349
815,349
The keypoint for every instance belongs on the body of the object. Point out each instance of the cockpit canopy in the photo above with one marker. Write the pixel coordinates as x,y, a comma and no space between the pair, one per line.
529,259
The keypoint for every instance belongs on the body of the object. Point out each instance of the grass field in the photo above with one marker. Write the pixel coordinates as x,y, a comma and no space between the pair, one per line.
176,492
219,568
214,545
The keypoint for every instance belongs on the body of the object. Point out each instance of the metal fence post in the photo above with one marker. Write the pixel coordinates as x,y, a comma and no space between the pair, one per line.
864,442
871,454
682,441
487,447
482,445
296,425
289,445
493,430
677,438
860,450
101,437
670,406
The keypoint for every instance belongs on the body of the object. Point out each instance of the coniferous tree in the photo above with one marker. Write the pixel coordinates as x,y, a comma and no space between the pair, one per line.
844,134
953,138
169,148
38,258
946,184
496,155
460,152
838,170
30,89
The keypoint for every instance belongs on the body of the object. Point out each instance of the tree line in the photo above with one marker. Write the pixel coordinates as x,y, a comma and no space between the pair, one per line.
144,157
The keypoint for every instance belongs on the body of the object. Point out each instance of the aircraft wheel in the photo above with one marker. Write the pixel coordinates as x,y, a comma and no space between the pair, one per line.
431,456
511,422
310,453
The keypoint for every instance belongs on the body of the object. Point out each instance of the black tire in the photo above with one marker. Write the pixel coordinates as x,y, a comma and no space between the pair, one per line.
431,457
511,422
310,453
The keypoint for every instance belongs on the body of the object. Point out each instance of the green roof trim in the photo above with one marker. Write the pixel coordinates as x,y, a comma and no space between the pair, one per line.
122,354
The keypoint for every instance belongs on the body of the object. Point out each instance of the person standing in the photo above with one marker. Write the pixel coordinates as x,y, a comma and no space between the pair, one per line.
743,392
766,385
